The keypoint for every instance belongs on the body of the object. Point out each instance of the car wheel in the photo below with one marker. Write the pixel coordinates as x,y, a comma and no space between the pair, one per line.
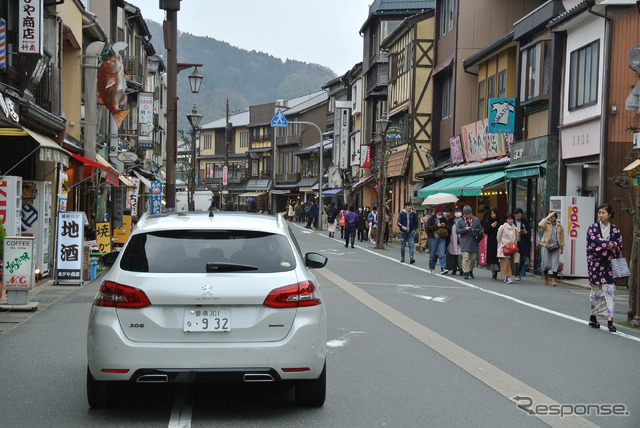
99,393
312,392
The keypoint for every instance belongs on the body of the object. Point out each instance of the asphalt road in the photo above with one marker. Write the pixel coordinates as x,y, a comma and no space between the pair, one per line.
406,349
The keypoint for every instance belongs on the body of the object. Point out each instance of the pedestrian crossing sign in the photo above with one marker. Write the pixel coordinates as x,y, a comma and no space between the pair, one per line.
279,121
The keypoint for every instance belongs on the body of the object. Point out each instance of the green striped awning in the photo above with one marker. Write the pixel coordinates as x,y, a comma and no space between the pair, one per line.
464,185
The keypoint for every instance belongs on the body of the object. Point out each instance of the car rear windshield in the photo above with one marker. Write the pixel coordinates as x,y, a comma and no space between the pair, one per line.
197,251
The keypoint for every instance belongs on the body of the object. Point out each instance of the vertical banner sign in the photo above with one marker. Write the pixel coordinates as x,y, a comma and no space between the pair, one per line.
365,156
118,194
344,138
63,190
30,26
18,264
103,237
225,175
145,120
156,197
456,150
132,197
69,247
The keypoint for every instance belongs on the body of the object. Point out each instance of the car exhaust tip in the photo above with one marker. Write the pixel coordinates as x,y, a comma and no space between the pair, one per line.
153,378
258,377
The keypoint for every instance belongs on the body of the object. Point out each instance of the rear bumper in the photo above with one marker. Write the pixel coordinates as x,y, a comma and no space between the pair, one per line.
302,350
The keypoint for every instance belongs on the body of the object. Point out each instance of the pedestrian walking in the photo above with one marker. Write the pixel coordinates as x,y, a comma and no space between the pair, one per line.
507,251
299,212
367,211
490,227
350,219
437,232
552,243
524,242
290,212
313,214
332,221
373,225
468,227
454,254
604,243
408,224
361,225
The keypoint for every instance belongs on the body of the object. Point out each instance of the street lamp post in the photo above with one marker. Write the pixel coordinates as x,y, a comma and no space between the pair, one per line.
170,27
194,120
382,124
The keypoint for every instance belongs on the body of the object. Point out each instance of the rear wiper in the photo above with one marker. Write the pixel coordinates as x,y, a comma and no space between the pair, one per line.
228,267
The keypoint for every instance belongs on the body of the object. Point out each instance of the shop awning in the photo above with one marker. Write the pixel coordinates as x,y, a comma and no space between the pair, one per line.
525,171
362,182
251,194
465,185
88,161
259,184
113,176
142,178
331,192
50,151
280,192
397,163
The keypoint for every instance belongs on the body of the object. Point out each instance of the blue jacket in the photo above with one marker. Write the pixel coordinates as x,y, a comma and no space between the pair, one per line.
413,221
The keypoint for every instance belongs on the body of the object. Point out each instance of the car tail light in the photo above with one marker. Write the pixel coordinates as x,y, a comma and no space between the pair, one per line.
114,295
293,296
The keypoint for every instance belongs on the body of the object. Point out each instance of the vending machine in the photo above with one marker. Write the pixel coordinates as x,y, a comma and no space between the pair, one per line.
575,214
10,204
36,220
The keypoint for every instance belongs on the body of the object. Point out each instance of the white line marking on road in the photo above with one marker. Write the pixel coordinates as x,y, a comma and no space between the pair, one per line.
500,381
182,407
504,296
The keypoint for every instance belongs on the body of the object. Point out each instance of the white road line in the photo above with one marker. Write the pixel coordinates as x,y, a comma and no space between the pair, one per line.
503,383
182,407
504,296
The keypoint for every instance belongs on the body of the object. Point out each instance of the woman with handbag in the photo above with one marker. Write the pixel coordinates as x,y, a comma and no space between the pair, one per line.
508,247
552,243
604,243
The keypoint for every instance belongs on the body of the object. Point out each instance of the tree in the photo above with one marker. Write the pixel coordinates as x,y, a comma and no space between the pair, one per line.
187,168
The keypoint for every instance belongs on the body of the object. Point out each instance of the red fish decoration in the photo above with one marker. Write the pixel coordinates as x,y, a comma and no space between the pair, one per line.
112,85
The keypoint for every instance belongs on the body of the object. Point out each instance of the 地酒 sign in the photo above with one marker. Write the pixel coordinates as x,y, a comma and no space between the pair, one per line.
69,247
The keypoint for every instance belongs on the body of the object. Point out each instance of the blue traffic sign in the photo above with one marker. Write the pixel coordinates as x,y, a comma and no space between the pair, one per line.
279,121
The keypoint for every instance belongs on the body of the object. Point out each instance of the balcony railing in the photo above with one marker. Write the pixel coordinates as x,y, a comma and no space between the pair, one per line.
288,140
290,177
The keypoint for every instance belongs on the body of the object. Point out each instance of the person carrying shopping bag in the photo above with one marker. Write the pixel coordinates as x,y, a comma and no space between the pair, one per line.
552,243
508,254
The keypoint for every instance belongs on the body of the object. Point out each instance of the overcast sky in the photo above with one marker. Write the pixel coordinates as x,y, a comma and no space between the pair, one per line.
324,32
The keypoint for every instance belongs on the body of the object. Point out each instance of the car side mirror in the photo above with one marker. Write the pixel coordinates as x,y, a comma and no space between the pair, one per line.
315,260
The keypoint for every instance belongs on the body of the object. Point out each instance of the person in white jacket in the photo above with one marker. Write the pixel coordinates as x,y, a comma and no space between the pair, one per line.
508,234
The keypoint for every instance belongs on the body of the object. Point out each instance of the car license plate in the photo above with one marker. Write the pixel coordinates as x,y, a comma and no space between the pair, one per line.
207,320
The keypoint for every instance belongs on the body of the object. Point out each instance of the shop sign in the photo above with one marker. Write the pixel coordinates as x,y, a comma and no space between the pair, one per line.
344,138
18,264
69,246
103,237
156,197
132,199
479,144
581,140
502,115
7,106
29,26
365,156
456,150
145,120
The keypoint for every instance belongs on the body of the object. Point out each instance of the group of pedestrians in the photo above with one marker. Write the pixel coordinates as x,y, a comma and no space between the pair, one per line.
454,236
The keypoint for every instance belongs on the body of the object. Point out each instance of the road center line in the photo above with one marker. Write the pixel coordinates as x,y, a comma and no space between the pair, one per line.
504,296
503,383
182,407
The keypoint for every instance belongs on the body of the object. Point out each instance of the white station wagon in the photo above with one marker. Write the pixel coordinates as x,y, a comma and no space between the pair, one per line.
198,297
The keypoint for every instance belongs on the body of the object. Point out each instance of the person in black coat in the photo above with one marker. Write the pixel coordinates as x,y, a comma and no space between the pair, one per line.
491,226
524,242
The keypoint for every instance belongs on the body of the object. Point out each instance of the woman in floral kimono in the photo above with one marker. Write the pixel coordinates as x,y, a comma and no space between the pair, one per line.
604,242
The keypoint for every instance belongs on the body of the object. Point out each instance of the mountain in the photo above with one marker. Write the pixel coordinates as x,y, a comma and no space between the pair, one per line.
244,77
